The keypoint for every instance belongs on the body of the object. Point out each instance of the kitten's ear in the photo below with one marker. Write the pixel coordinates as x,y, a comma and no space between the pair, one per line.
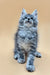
35,13
23,12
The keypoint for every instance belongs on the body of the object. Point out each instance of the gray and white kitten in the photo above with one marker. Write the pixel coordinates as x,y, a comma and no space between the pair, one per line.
26,39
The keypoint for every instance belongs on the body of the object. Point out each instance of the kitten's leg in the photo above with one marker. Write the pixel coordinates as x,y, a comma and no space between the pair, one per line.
16,47
30,63
16,54
21,58
37,54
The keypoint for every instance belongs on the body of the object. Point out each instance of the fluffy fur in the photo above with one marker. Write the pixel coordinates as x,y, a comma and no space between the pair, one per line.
26,39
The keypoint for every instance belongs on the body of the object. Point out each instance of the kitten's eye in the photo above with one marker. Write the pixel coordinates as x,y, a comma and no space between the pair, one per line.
25,17
32,18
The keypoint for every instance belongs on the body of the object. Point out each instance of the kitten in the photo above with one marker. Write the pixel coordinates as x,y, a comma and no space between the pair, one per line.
26,39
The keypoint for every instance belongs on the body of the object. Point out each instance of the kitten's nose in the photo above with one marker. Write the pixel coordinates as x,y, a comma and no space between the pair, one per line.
28,18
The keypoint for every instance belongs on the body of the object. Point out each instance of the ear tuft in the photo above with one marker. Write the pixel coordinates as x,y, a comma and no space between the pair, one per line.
23,12
35,13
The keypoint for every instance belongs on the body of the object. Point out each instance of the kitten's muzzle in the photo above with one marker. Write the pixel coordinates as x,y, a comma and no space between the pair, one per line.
28,21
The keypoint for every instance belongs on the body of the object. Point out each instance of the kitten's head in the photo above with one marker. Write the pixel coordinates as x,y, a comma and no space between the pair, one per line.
28,20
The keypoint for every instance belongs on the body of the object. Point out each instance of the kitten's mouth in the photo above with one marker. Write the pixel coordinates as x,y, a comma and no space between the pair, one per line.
28,22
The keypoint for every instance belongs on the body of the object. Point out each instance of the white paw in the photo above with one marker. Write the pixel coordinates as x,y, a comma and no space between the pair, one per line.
30,68
38,54
21,60
16,56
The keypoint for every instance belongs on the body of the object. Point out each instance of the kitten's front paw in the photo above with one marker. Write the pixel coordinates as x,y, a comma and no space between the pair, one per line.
38,54
20,60
15,56
30,68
